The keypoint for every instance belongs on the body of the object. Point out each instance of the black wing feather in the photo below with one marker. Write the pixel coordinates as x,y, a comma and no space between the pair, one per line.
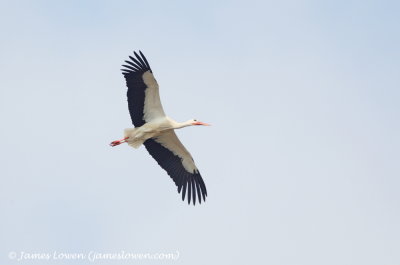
189,189
133,65
184,180
184,190
194,191
140,59
137,62
198,191
133,74
129,67
145,60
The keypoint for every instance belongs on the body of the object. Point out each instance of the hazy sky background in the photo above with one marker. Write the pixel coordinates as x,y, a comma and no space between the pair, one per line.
301,163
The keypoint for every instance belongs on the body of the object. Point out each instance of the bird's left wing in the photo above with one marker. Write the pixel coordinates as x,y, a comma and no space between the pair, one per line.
143,93
173,157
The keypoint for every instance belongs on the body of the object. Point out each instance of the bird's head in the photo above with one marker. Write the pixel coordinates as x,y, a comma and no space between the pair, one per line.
196,122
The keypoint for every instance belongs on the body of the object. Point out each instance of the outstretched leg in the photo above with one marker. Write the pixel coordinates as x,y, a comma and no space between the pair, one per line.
118,142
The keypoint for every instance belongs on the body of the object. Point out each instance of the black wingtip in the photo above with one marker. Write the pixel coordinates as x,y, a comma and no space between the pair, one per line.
189,190
193,191
145,60
184,190
141,60
137,65
179,188
198,191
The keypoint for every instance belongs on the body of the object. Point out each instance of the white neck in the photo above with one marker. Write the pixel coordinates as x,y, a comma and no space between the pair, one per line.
178,125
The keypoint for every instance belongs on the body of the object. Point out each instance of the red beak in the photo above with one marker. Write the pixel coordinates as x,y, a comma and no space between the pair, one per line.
201,123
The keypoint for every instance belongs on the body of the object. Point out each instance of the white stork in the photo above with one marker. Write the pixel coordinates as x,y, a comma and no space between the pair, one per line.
156,130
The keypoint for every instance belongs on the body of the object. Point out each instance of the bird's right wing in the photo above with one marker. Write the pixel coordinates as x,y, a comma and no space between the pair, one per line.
173,157
143,94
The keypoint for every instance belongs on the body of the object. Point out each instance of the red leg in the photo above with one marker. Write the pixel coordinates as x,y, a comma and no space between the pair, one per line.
118,142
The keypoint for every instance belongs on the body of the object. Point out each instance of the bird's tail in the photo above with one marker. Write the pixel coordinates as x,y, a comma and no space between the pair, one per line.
134,139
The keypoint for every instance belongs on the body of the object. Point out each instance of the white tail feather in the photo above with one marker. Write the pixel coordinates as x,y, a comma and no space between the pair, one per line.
134,138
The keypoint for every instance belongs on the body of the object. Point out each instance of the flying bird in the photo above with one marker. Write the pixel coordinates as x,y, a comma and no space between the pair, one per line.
155,130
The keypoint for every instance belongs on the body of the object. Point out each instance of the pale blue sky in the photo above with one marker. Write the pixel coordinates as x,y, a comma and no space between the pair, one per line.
301,163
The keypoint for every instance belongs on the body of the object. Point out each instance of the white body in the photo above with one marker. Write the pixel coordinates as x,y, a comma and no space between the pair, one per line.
162,129
137,136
